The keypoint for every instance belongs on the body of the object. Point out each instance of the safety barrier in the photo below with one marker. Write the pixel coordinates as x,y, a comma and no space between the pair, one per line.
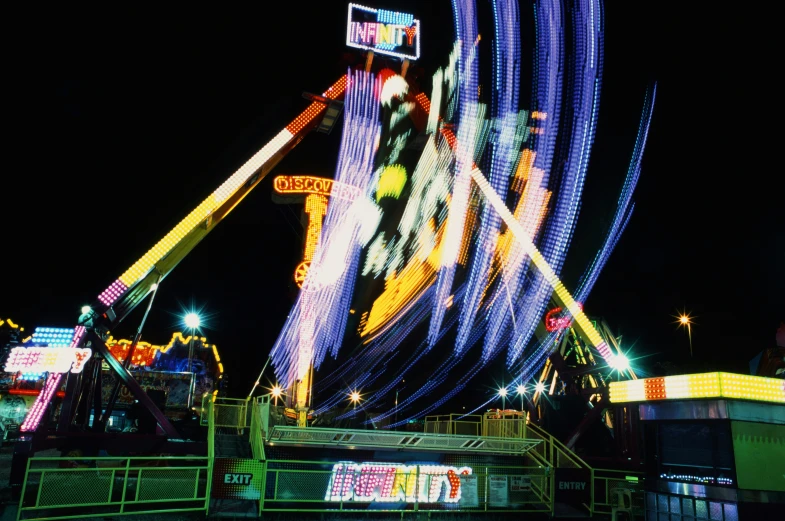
230,412
63,488
298,486
468,425
505,427
84,487
256,437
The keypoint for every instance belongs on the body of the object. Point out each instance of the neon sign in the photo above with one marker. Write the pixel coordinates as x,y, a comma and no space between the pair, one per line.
318,189
386,32
306,184
553,322
44,359
395,482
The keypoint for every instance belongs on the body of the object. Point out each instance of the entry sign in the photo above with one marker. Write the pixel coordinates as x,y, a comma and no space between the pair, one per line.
235,478
573,487
384,32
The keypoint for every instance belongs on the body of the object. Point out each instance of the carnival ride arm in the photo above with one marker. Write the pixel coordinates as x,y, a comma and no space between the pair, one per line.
124,294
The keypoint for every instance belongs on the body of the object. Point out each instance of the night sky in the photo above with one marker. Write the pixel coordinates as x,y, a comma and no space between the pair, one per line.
120,121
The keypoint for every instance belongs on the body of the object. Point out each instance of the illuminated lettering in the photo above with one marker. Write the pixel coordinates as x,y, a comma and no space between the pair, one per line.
47,360
303,184
411,32
394,482
383,32
553,322
238,479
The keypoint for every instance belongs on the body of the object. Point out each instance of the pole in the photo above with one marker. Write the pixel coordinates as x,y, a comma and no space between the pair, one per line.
191,350
259,379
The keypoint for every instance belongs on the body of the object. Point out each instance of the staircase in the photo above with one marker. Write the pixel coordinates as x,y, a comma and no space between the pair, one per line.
230,444
556,455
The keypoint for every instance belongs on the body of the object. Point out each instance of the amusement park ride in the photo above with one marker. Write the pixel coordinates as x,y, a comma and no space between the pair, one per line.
519,254
89,345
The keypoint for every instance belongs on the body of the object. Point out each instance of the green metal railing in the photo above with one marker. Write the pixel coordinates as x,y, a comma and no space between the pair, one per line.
230,412
300,486
453,424
113,486
84,487
256,437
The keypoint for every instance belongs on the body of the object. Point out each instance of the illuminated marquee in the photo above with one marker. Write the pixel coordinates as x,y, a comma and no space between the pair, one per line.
395,482
44,359
305,184
384,32
695,386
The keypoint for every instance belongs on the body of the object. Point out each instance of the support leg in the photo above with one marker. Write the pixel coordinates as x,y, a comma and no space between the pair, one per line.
133,386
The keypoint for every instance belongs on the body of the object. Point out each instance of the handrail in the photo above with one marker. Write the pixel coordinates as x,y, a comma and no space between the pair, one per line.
559,445
395,440
117,485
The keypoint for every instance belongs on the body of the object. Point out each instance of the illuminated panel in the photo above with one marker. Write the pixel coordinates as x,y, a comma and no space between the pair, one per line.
394,482
46,360
53,336
694,386
752,387
383,32
629,391
306,184
141,267
316,209
145,353
654,388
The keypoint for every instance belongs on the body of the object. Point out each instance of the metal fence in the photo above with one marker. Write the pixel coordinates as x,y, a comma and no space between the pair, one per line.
453,424
256,435
230,412
504,427
298,486
67,488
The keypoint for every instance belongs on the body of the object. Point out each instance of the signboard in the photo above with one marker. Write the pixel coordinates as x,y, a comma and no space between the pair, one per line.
497,491
177,387
572,487
469,495
306,184
396,482
755,447
47,360
520,483
384,32
235,478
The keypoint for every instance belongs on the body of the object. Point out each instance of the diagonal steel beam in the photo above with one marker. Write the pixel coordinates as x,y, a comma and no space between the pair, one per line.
130,382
